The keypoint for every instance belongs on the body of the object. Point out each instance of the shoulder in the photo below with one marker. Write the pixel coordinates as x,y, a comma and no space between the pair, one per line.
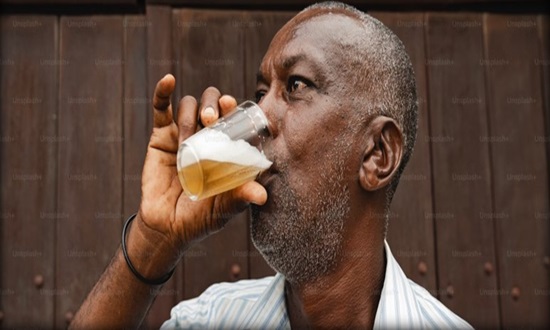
216,304
434,313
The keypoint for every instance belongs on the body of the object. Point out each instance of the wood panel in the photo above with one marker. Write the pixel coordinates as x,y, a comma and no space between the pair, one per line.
259,29
70,2
543,62
520,177
28,145
159,48
360,3
411,231
159,63
209,50
90,166
461,167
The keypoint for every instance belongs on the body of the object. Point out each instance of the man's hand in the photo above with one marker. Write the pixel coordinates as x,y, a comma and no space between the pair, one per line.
168,221
164,206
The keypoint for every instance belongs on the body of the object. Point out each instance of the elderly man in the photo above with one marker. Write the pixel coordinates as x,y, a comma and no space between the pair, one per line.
338,89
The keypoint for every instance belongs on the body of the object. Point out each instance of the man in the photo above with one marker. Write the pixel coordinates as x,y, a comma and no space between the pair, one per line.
338,89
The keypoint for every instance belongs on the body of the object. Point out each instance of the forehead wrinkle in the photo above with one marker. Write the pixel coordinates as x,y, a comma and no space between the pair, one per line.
290,61
308,41
286,62
305,59
323,43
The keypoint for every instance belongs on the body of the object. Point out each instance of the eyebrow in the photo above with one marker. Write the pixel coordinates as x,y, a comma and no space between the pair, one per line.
288,63
291,61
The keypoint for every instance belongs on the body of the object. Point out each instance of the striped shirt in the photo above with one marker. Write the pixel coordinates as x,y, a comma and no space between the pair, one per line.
260,304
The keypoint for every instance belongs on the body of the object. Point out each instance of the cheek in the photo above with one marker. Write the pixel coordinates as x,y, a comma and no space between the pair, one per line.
306,136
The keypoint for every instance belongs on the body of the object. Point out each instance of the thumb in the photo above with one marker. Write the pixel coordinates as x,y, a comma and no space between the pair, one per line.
251,192
236,200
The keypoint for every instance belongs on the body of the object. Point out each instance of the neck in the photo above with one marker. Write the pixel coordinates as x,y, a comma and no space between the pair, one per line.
348,296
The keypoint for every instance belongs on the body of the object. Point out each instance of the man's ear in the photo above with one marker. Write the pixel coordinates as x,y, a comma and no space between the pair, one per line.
382,155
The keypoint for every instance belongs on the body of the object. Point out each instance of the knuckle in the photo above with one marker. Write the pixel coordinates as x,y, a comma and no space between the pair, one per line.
160,89
160,102
186,126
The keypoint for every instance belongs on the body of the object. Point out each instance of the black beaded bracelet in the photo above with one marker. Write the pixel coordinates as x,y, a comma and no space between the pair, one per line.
156,281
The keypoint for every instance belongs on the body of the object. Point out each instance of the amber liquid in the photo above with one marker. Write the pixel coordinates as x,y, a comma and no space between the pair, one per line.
217,177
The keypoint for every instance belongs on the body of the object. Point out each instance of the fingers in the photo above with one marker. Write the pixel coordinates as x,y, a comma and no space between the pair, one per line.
250,192
162,109
209,111
227,103
187,117
236,200
212,104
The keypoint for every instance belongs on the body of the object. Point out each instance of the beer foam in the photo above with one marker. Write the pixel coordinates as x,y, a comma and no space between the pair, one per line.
215,145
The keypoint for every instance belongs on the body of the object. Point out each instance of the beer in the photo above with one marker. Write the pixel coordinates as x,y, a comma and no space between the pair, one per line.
216,178
211,163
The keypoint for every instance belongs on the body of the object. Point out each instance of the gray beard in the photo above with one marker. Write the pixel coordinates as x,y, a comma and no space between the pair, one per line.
302,238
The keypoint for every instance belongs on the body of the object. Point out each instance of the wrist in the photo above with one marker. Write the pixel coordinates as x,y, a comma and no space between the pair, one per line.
151,254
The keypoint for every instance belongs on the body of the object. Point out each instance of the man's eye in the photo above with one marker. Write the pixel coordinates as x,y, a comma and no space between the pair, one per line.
296,84
259,96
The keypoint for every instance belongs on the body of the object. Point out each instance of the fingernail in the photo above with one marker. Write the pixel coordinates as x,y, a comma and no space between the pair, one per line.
209,112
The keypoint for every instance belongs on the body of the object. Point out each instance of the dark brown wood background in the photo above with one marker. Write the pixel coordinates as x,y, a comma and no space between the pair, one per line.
470,221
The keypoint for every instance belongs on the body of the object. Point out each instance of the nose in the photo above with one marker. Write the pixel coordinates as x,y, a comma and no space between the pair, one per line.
268,105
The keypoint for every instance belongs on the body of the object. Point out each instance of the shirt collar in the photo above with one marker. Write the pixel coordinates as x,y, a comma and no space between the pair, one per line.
269,311
397,307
